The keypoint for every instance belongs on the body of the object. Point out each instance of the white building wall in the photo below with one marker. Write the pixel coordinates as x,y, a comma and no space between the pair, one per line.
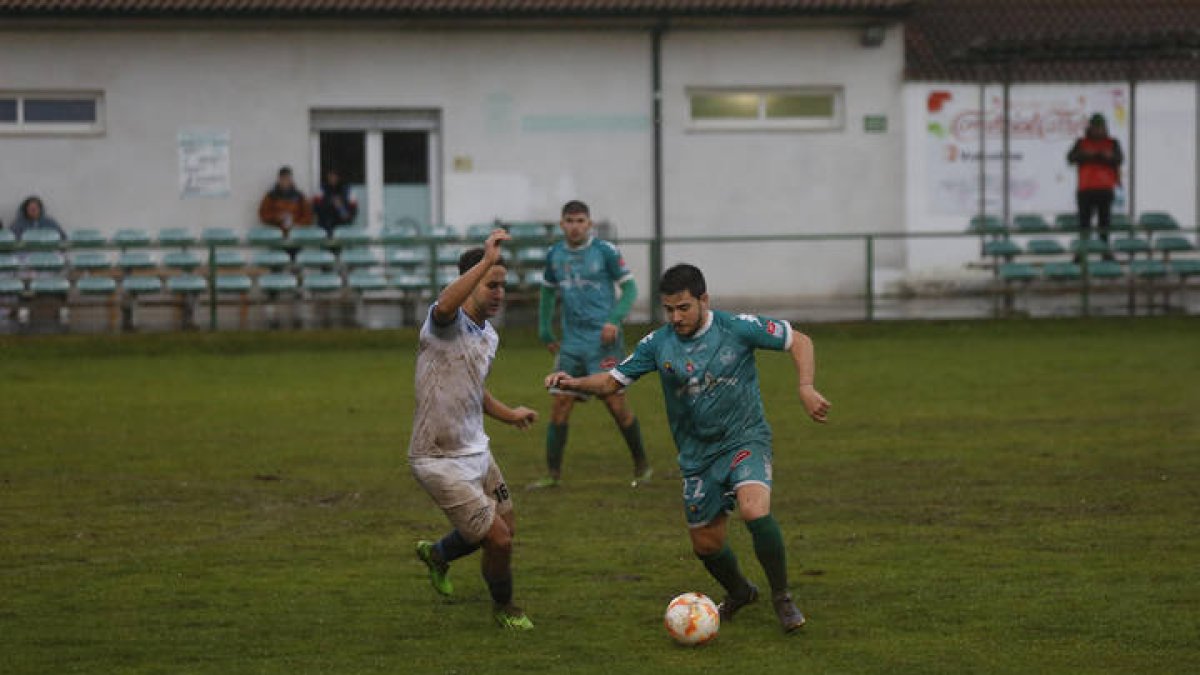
783,182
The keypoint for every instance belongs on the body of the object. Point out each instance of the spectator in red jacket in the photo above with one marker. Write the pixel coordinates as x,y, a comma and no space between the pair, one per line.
284,206
1099,159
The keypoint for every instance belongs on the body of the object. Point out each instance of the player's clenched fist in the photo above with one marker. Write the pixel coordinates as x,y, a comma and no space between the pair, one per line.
816,404
556,380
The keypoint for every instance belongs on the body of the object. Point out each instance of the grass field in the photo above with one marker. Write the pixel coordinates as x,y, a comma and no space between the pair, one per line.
990,497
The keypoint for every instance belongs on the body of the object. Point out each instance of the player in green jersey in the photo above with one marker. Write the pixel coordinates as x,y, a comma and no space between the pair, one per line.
585,272
705,362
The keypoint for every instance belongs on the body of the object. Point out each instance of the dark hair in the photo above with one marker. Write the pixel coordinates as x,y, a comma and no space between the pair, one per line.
683,277
30,200
471,258
285,171
574,207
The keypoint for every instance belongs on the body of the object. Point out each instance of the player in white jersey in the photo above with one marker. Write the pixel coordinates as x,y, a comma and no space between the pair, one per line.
449,453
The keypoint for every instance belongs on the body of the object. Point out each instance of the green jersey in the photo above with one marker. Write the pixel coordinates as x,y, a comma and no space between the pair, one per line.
710,382
586,278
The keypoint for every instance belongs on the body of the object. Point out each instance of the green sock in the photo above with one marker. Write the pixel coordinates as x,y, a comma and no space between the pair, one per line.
768,546
723,566
556,443
633,438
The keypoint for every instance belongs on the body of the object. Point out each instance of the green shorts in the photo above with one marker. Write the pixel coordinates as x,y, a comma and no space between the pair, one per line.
712,492
578,362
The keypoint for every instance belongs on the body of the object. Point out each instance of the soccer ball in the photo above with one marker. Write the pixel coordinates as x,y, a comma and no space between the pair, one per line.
692,619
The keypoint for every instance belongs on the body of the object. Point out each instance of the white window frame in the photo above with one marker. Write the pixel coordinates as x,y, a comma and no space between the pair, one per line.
22,128
835,122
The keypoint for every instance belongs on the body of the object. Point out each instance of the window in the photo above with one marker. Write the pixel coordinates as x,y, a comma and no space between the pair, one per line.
51,112
801,108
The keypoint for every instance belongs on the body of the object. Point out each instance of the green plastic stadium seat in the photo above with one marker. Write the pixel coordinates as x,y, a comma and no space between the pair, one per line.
315,258
45,261
271,260
277,283
443,233
9,263
8,242
234,283
307,236
1148,269
41,239
448,255
1185,268
219,236
1119,222
87,238
985,225
1173,244
131,238
96,286
399,234
528,230
1062,271
181,260
359,257
186,284
264,236
1030,222
363,282
176,237
352,236
1131,245
534,277
1105,269
322,283
1044,247
479,232
406,257
1018,272
512,279
410,282
1157,221
532,256
999,248
1066,222
141,285
136,260
52,285
1089,246
90,261
225,259
10,286
445,275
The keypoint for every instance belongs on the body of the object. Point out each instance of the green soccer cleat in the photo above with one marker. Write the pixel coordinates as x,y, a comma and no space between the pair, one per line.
512,618
642,478
543,483
438,571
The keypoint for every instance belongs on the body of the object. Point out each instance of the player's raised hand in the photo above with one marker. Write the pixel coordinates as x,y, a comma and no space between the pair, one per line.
815,404
491,247
523,417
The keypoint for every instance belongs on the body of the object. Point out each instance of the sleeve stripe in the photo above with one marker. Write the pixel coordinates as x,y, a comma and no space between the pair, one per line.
626,277
620,377
787,341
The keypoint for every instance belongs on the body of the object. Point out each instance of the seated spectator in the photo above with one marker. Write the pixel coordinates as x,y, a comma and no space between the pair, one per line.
335,206
32,216
284,206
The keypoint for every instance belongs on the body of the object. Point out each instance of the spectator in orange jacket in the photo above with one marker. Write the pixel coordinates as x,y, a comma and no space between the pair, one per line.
1099,159
284,206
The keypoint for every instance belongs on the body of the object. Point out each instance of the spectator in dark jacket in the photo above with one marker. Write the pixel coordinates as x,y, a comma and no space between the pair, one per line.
32,216
335,206
1099,159
284,206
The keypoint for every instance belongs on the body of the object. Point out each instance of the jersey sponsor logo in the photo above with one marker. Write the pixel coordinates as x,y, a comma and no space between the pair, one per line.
741,456
772,327
608,363
666,366
691,367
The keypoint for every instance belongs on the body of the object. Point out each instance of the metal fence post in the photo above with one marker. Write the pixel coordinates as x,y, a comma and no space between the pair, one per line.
870,244
212,286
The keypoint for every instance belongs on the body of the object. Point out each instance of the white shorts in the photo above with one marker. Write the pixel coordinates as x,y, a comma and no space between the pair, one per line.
470,490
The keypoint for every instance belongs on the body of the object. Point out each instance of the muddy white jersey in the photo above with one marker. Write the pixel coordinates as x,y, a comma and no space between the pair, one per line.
452,363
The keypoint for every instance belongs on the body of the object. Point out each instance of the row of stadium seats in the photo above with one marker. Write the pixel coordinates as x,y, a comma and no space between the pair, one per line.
1131,246
181,238
1148,270
1032,223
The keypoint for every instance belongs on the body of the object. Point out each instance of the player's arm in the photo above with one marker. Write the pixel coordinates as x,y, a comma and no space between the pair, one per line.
804,358
546,304
453,296
520,417
599,384
619,311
